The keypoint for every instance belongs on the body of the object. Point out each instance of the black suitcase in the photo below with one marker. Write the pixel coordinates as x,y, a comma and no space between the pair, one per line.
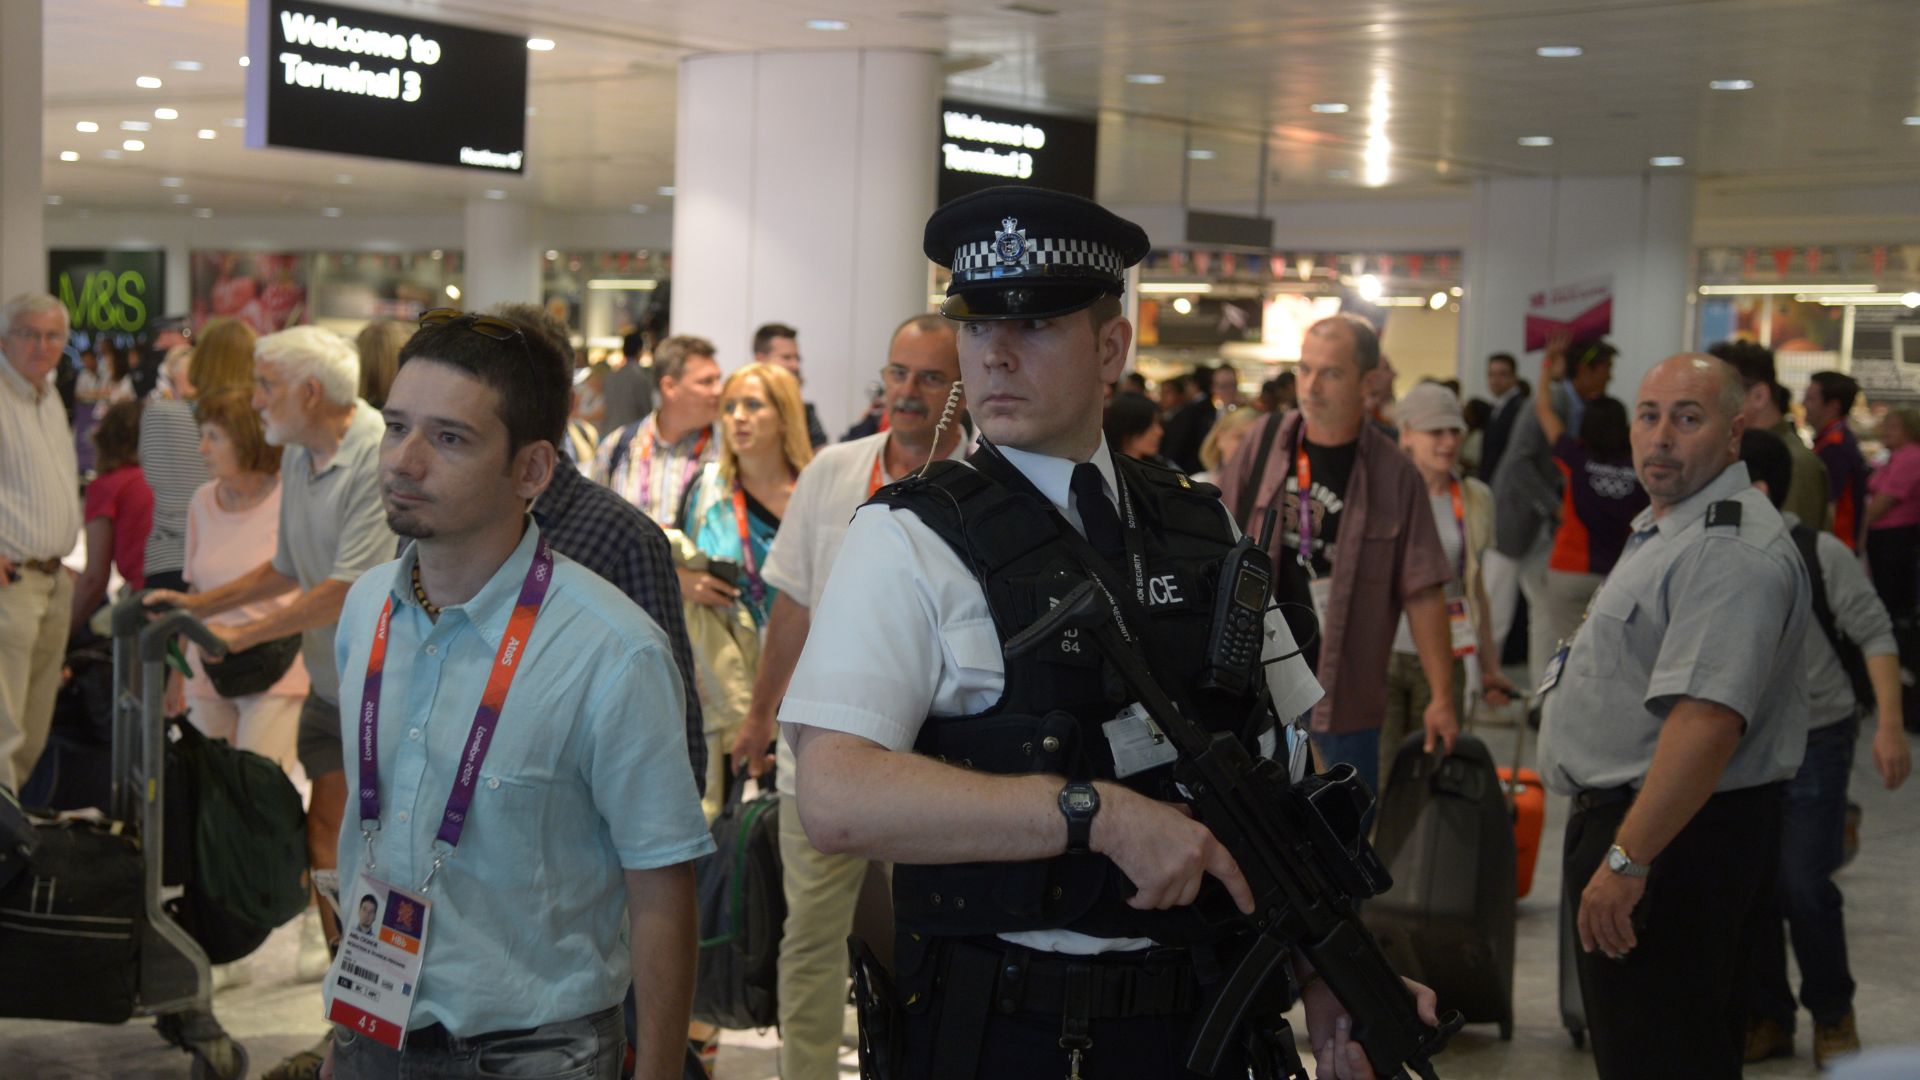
70,924
1446,836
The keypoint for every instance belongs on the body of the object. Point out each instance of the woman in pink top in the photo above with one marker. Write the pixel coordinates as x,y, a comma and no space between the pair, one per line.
232,526
1893,514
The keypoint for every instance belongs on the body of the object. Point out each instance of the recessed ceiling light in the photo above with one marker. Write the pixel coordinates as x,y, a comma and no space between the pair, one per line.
167,3
69,155
552,254
329,211
638,208
1200,155
436,254
667,191
826,24
54,200
496,193
171,181
1331,108
244,61
208,133
183,198
135,125
540,44
186,65
1912,121
342,178
134,145
453,292
531,111
86,126
111,154
147,82
1667,161
235,121
1456,291
1536,140
1558,52
203,212
1146,79
1731,84
164,113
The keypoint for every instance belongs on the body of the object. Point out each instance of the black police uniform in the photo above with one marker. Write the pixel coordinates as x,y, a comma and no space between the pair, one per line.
967,1002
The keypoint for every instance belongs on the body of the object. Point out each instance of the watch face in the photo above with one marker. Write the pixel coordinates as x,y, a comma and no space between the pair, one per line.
1616,861
1080,801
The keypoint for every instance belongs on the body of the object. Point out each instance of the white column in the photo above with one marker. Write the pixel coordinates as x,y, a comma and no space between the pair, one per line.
502,254
1530,235
803,181
23,247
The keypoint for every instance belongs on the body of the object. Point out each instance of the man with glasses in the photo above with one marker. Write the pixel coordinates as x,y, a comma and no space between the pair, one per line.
39,521
923,369
332,530
520,780
651,462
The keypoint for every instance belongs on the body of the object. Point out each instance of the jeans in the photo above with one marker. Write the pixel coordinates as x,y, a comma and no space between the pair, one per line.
1805,895
588,1048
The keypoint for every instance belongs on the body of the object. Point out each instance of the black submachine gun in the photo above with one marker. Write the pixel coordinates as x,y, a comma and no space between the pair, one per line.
1303,855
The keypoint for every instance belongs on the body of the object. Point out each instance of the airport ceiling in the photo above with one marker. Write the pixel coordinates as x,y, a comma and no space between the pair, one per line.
1435,94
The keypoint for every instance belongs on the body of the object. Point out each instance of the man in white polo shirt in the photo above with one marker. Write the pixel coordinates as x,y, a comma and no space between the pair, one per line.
922,368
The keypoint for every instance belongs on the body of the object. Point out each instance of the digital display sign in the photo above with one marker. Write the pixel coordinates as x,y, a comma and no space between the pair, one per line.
366,83
983,147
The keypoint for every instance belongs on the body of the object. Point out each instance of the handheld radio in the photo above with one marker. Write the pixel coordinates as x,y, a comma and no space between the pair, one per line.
1243,589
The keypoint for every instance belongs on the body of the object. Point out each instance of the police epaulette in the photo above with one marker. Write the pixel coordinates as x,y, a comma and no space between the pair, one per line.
1174,478
1725,512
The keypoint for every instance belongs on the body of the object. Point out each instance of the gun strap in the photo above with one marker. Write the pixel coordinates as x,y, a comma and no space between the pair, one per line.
965,998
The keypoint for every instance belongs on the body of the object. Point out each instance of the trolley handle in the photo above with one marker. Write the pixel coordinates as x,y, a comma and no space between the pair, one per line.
154,639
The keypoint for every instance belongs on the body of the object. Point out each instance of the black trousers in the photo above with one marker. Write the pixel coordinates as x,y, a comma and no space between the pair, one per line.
1025,1045
1675,1006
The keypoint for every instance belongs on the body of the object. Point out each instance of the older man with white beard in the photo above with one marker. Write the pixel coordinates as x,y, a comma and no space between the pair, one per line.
332,529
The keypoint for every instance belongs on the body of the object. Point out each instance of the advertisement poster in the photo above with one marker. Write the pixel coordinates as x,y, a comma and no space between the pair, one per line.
108,292
266,290
1583,311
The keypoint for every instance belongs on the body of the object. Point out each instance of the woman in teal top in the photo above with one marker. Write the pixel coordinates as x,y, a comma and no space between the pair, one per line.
733,510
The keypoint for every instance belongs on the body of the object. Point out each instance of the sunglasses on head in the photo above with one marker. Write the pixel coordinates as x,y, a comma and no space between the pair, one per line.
485,325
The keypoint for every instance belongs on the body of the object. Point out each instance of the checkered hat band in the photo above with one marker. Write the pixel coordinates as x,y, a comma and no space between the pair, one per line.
1058,253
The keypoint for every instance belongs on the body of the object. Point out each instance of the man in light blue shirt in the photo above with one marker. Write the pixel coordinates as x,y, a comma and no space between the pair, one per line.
570,871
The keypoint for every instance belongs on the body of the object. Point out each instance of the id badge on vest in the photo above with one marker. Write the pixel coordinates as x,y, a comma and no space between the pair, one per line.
375,975
1137,742
1459,624
1320,589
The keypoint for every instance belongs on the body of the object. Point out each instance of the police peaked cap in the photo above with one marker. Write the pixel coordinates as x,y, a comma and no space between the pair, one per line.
1029,253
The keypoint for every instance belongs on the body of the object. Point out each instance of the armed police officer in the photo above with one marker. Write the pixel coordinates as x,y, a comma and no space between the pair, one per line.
1673,721
1046,871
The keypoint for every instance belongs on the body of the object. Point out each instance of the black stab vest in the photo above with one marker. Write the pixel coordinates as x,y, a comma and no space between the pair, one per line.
1049,716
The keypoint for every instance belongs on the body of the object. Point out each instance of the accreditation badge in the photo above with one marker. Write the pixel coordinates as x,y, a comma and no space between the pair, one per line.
383,937
1461,626
1320,589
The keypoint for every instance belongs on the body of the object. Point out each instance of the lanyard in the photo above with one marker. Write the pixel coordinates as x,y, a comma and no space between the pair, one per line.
1459,522
1303,472
646,463
1830,435
756,589
874,482
512,648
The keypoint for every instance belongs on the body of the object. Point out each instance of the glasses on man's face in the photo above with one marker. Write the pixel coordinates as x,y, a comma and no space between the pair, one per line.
38,337
484,325
934,381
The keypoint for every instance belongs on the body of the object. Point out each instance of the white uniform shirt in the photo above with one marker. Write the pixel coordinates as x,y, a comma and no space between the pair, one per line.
830,489
902,631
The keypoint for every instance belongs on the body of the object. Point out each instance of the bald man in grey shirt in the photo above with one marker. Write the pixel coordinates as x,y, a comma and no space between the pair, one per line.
1673,720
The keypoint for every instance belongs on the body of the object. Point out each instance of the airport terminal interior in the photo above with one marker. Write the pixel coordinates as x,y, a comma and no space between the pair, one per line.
1470,178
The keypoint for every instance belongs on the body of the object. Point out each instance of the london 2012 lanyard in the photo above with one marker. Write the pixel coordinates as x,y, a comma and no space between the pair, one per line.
512,649
646,463
1459,522
1303,473
877,480
756,588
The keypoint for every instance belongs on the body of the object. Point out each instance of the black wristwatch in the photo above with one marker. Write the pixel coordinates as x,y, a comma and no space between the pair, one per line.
1078,803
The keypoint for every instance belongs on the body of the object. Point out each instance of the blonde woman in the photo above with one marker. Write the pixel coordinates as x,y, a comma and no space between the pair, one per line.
1223,439
733,510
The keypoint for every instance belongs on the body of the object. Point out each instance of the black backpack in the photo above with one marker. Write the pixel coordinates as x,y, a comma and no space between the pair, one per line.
1852,660
249,844
742,910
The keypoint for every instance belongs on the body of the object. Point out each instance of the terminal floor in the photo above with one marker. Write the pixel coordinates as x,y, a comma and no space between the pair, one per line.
275,1016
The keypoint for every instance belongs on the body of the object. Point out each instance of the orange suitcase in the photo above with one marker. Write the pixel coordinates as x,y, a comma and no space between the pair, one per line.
1529,802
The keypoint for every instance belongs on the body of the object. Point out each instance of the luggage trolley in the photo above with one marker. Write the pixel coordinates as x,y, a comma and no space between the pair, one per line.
172,979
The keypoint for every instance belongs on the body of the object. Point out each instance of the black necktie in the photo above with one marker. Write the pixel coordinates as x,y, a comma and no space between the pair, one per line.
1097,517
